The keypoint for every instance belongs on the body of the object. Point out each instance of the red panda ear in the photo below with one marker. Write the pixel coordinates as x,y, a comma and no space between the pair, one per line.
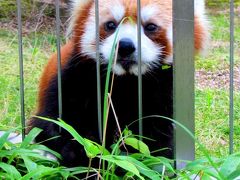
79,3
77,6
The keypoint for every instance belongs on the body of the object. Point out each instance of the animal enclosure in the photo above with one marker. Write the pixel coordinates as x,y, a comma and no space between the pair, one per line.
183,83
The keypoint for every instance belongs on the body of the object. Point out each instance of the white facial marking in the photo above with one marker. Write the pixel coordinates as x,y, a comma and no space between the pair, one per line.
118,69
134,69
148,12
118,11
169,59
88,37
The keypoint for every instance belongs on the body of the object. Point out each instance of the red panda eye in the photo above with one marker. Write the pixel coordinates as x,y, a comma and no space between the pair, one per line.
151,27
110,26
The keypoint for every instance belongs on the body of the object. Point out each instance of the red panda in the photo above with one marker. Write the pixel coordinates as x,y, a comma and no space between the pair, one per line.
79,74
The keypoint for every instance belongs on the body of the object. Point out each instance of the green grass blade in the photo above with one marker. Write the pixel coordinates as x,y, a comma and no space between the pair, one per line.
202,148
30,165
231,167
4,139
110,62
30,137
11,170
91,149
143,169
46,149
4,175
151,161
40,172
128,166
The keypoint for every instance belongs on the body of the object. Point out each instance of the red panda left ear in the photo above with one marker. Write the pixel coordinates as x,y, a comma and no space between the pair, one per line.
79,3
77,6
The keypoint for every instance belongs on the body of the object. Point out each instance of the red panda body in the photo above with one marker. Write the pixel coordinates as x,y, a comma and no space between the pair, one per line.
79,84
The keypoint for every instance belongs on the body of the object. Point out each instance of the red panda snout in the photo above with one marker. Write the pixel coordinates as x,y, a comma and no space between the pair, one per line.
126,48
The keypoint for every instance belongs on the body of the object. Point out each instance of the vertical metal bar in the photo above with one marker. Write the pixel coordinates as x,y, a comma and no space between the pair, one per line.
99,107
20,49
231,88
139,67
59,66
183,87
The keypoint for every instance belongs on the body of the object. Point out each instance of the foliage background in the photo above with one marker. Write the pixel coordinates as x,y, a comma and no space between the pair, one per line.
39,42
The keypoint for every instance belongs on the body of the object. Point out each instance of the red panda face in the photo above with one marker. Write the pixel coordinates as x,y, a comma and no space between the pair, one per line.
156,32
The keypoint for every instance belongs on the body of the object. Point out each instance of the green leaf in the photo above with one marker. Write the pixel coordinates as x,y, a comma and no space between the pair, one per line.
138,145
153,161
128,175
79,170
4,175
42,171
100,147
19,152
123,164
46,149
11,170
30,137
30,165
166,67
91,150
68,128
89,147
143,169
231,167
4,139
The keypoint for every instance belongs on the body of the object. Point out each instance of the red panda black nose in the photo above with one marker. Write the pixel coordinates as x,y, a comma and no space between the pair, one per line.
126,47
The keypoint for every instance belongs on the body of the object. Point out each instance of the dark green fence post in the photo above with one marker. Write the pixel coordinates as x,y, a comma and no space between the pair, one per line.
231,88
139,50
183,87
20,49
59,66
99,104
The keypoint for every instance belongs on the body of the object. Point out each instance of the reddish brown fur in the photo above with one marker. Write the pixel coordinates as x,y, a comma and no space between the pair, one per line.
78,28
199,34
51,70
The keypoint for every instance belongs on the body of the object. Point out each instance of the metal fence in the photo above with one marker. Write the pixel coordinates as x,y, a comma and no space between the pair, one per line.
183,83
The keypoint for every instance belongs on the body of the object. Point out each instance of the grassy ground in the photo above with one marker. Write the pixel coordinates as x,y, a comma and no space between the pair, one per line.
212,100
37,48
212,87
